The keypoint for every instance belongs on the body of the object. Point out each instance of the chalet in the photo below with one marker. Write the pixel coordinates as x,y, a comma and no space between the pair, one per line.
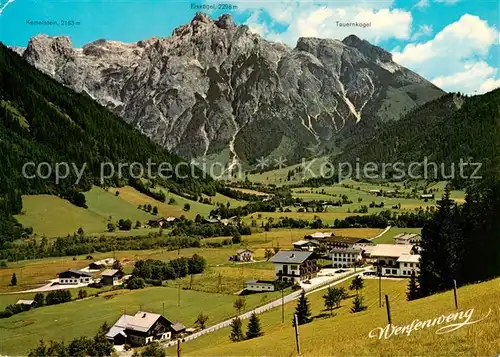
74,277
146,327
408,263
259,285
345,242
294,266
346,257
407,238
306,245
319,236
111,277
244,255
30,303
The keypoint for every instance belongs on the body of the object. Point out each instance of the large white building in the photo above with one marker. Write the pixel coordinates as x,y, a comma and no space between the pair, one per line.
407,238
346,257
394,259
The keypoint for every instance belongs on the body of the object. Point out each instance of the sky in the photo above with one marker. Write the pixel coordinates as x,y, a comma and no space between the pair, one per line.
453,43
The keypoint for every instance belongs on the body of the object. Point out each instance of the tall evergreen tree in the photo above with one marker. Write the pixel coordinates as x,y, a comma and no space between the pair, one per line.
413,291
358,305
440,248
236,331
303,310
253,327
13,280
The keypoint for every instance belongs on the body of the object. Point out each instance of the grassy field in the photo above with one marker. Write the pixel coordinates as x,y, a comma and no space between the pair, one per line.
22,332
52,216
388,237
346,334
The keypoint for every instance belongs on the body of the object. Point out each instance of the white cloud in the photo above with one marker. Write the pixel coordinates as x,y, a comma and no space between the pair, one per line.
478,76
489,85
459,49
307,19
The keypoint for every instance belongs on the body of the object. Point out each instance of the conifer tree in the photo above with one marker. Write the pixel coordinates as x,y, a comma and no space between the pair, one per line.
253,327
236,332
358,305
303,310
13,280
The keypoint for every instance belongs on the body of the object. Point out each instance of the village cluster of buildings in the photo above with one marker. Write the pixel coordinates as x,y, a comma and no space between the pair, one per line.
300,264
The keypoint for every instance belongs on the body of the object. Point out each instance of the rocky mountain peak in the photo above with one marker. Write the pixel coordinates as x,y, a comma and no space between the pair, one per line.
366,48
216,88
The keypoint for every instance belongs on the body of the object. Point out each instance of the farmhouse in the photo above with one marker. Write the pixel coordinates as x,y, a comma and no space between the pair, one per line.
346,257
244,255
294,266
111,277
407,238
146,327
409,263
259,285
74,277
306,245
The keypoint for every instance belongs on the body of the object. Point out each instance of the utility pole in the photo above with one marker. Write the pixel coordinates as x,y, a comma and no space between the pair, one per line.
388,307
379,270
297,340
178,347
455,293
179,294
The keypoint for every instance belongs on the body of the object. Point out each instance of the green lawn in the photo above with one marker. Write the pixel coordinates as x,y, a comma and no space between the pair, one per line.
22,332
388,237
52,216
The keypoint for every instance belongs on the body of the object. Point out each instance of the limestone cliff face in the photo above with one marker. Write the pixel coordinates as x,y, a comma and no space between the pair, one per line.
214,86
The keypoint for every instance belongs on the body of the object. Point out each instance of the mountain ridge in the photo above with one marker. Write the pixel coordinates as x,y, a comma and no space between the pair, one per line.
214,86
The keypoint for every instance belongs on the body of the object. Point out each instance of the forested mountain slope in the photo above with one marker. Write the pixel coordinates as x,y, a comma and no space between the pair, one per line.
445,130
43,121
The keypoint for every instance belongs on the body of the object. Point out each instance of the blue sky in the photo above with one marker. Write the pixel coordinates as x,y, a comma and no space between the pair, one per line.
453,43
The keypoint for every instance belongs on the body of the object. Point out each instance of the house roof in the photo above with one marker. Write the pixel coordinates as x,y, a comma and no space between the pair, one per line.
409,258
348,240
25,302
389,250
76,272
346,250
119,326
304,242
178,327
110,272
239,251
291,257
142,321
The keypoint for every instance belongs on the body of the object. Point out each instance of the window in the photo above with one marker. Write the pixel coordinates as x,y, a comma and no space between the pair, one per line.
394,272
405,264
388,271
293,267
